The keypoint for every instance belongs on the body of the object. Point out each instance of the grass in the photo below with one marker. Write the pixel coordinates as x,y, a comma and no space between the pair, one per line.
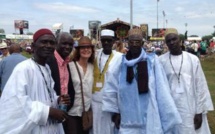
208,66
26,54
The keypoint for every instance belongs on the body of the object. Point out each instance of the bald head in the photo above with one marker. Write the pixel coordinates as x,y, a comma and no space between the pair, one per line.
65,44
64,35
14,48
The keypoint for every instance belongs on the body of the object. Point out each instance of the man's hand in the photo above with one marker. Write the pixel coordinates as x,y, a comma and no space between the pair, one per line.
116,119
198,121
57,114
64,99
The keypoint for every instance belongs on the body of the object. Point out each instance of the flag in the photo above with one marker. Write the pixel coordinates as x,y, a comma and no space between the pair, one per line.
164,14
185,35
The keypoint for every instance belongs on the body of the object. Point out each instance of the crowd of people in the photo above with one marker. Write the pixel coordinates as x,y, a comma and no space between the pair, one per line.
77,89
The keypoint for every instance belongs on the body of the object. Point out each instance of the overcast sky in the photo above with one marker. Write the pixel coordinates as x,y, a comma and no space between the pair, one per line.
199,15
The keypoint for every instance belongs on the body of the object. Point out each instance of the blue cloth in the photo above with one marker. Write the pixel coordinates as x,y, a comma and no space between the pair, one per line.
150,113
7,65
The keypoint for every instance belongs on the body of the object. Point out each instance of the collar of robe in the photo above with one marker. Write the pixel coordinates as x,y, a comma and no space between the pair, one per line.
132,62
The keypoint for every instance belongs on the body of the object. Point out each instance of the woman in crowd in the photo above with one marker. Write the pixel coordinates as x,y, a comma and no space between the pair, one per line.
82,64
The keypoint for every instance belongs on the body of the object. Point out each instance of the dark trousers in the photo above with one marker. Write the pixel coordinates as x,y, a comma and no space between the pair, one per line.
73,125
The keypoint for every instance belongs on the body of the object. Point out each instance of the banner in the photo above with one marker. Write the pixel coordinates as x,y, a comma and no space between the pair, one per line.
144,28
158,32
77,33
122,32
21,24
94,24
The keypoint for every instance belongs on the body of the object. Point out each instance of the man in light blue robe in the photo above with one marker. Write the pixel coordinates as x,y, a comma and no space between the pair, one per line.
139,108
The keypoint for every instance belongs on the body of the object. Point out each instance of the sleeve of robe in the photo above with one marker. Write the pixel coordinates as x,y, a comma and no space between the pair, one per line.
203,98
110,89
19,114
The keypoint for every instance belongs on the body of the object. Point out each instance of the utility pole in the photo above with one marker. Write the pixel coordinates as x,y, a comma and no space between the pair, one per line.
131,14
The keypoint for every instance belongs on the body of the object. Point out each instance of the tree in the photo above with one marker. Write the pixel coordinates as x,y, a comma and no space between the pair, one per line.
182,37
207,37
213,34
185,35
194,36
2,30
29,33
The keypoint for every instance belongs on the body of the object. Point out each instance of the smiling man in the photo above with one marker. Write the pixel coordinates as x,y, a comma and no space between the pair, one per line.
60,70
188,86
29,104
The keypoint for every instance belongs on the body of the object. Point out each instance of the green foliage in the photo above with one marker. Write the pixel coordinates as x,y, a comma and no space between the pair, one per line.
182,37
2,31
29,33
24,53
194,36
213,34
207,37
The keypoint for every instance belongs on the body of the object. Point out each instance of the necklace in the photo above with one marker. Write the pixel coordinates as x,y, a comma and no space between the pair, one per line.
47,87
105,64
179,73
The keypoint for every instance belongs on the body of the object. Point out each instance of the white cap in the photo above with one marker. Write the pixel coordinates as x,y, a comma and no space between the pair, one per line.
107,32
3,45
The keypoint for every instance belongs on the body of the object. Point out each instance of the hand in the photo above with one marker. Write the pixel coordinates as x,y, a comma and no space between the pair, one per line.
57,114
198,121
64,99
116,119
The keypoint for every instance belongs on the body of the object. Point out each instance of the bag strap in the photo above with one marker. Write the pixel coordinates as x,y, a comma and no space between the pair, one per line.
82,92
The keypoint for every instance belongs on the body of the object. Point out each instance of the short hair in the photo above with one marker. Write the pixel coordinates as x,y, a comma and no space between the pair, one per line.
58,37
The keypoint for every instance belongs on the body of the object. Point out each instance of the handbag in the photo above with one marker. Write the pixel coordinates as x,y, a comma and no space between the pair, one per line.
87,116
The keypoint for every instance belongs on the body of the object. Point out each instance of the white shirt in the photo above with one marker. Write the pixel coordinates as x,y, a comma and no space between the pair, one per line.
195,46
87,80
25,101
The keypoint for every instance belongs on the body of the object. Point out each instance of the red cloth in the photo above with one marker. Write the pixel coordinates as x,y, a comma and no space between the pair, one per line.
40,33
212,44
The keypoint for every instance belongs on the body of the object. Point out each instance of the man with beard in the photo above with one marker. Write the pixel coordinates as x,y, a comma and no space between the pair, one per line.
29,104
188,86
60,70
137,93
102,123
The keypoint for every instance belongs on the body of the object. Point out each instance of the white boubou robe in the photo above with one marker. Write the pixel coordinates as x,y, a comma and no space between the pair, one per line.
102,123
149,113
190,92
25,102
